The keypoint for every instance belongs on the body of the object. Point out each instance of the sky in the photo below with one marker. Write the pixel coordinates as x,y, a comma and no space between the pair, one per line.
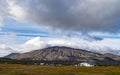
27,25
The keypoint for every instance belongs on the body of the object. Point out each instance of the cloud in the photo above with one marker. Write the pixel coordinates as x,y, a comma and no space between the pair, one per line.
5,49
3,10
78,15
103,46
35,43
29,45
85,16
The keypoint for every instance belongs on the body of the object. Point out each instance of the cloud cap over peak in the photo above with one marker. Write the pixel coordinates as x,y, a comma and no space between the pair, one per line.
78,15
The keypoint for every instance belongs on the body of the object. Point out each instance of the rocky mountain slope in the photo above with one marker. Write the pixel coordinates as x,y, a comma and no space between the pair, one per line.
62,54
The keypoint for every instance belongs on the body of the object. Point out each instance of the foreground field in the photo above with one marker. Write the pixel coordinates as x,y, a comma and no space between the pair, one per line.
51,70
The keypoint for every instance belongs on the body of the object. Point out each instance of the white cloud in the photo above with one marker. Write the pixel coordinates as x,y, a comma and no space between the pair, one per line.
5,49
1,21
95,46
36,43
17,12
103,46
112,43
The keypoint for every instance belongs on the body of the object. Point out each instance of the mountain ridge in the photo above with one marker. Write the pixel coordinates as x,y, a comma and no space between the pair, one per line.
11,55
57,53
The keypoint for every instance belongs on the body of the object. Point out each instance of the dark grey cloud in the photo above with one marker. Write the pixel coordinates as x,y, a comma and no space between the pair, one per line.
78,15
92,38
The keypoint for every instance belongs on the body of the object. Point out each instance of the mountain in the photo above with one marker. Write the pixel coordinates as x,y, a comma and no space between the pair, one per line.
11,55
115,57
62,54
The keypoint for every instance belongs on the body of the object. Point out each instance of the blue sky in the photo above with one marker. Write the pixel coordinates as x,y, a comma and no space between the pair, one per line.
11,25
90,24
30,29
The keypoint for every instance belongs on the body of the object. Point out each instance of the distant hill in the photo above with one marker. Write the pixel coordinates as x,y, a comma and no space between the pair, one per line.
63,54
11,55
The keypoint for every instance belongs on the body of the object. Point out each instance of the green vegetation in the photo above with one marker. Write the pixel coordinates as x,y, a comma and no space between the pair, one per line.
17,69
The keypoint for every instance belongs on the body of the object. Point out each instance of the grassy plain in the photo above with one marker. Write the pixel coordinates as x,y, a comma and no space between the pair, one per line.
10,69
